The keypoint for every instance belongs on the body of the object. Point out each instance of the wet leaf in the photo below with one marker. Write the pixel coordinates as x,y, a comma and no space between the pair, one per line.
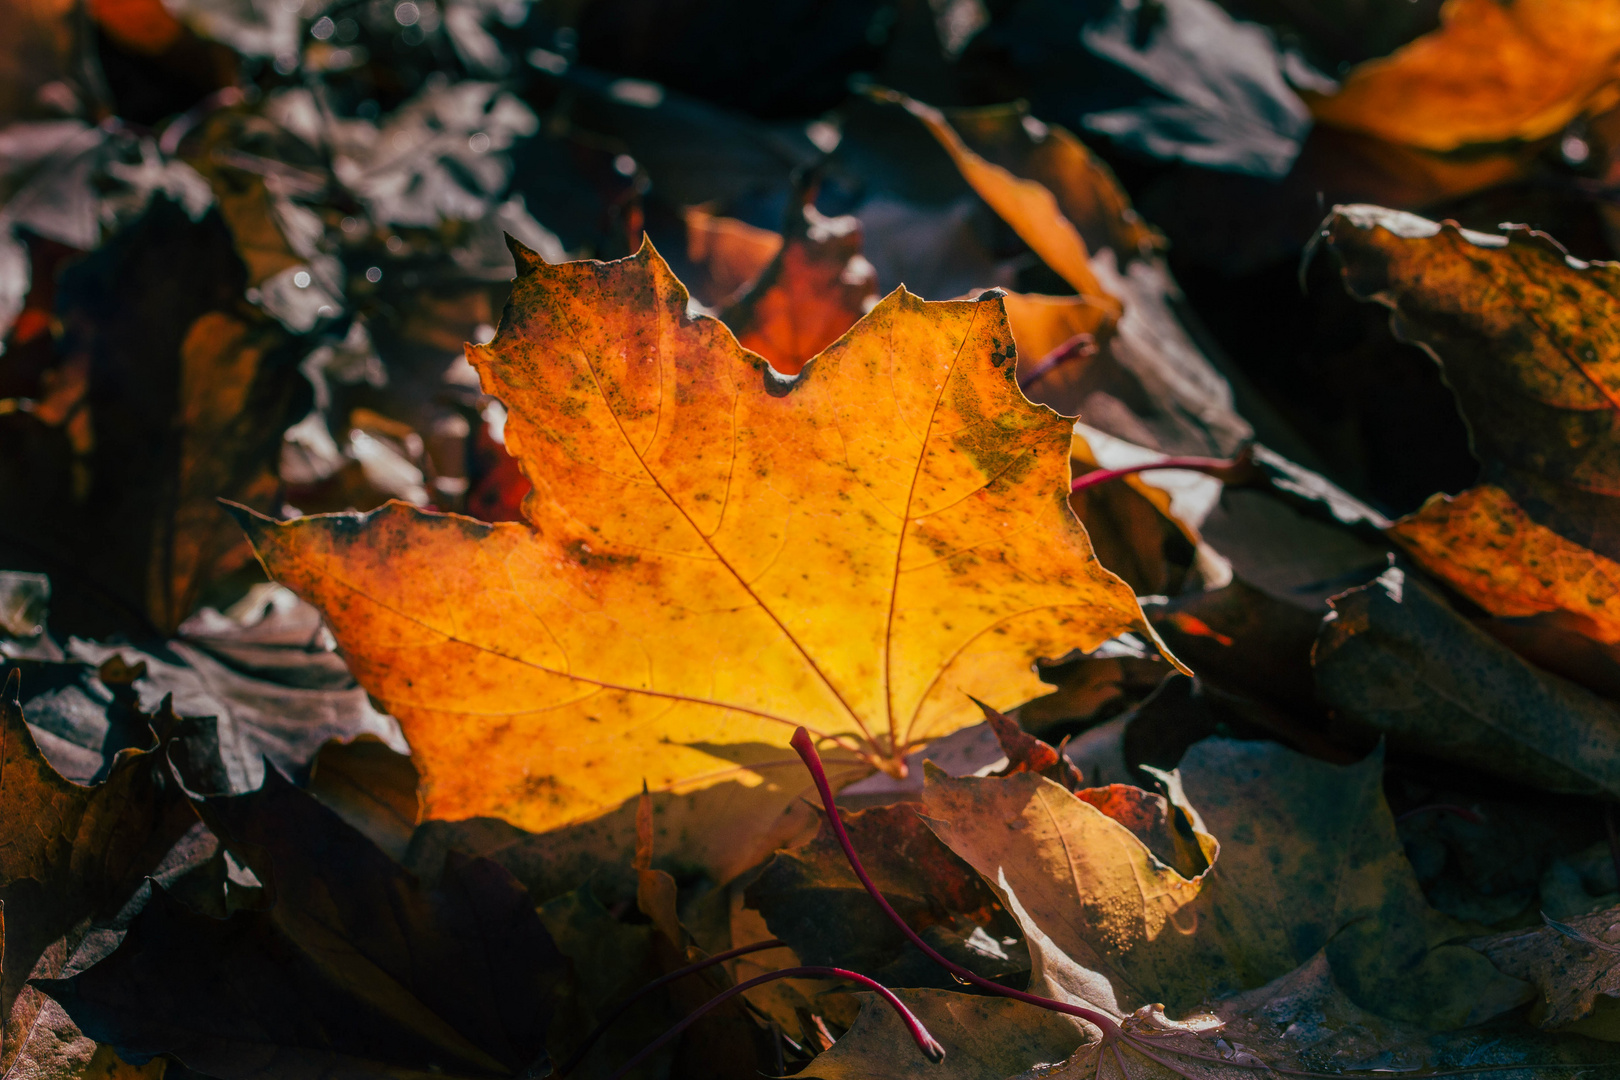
662,546
1491,73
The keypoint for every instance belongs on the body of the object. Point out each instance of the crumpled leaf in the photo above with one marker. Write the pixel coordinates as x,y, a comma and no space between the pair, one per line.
356,966
82,853
811,899
1492,72
1026,205
1395,658
1572,964
1525,336
1307,859
866,622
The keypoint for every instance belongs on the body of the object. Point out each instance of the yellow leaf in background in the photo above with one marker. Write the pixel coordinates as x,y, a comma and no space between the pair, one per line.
1494,71
713,555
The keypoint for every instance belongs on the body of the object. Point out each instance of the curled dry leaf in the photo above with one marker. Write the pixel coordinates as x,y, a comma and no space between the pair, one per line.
1491,73
1526,337
714,553
1572,964
1026,205
1126,899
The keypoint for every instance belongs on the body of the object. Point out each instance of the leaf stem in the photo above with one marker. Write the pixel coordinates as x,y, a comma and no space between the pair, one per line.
1220,468
926,1042
664,980
806,748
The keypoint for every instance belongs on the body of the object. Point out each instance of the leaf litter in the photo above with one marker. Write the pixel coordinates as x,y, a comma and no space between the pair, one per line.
1205,735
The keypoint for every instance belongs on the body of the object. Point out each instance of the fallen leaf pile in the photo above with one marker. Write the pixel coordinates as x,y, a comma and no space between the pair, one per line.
882,540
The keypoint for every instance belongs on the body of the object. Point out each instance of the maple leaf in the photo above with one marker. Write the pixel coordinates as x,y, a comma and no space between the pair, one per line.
1491,73
713,554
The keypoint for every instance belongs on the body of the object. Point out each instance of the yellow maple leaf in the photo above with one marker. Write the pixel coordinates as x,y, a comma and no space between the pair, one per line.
713,554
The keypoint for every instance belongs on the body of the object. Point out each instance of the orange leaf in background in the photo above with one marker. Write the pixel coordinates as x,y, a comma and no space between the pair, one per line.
1485,546
1027,206
1086,189
1529,341
730,253
1493,71
144,26
714,554
815,288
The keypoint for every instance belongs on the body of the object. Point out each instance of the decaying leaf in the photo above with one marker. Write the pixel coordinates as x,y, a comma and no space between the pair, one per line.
1485,546
1494,71
1396,658
1573,965
356,966
714,554
1526,338
1126,900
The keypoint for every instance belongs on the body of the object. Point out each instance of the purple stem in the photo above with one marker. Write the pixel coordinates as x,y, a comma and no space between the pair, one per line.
806,748
1216,467
1081,344
925,1042
718,958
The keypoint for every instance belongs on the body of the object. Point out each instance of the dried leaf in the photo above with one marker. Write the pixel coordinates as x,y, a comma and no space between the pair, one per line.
1572,965
1526,338
1485,546
814,290
714,554
355,967
1029,207
1395,658
72,852
1491,73
1308,859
